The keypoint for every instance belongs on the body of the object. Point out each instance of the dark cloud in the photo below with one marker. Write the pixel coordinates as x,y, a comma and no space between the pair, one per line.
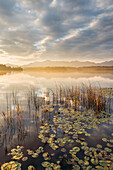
55,29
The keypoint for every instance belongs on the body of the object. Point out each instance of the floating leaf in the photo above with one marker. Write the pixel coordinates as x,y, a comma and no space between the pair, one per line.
99,146
107,149
89,168
86,163
31,167
11,165
45,164
104,139
76,167
99,168
24,158
94,161
103,163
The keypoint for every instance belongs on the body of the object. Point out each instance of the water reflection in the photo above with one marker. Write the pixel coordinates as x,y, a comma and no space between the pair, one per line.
49,80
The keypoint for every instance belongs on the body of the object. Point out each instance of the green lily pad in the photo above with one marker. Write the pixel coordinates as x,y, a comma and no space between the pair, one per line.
76,167
104,139
11,165
99,168
24,158
45,164
89,168
31,167
99,146
103,163
86,163
94,161
107,149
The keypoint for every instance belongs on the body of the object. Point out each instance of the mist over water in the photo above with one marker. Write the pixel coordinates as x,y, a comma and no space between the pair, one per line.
25,80
21,83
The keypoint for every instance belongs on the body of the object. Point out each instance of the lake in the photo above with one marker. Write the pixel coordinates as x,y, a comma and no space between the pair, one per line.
21,120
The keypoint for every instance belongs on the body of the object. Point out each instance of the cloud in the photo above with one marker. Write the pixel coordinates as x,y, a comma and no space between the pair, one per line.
53,3
54,29
40,45
104,4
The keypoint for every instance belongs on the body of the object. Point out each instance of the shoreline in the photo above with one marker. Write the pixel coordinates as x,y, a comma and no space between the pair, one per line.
92,69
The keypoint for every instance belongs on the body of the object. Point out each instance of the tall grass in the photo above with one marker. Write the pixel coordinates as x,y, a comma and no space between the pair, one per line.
82,98
79,98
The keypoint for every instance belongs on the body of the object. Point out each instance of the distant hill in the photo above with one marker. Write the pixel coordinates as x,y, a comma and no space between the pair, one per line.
9,68
49,63
107,63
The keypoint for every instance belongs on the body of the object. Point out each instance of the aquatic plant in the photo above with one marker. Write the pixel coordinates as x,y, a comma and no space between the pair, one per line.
66,118
12,165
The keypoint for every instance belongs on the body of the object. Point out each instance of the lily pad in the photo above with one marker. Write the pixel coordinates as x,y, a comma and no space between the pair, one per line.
11,165
31,167
104,139
24,158
76,167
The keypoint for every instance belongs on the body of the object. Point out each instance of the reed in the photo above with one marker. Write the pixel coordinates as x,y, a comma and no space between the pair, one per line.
80,98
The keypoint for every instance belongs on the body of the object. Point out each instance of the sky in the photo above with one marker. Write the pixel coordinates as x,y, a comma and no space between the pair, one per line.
38,30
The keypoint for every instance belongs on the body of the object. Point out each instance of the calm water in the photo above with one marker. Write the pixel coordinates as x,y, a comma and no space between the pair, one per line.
15,88
20,83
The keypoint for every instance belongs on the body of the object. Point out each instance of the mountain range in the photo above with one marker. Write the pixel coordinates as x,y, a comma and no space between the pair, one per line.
49,63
